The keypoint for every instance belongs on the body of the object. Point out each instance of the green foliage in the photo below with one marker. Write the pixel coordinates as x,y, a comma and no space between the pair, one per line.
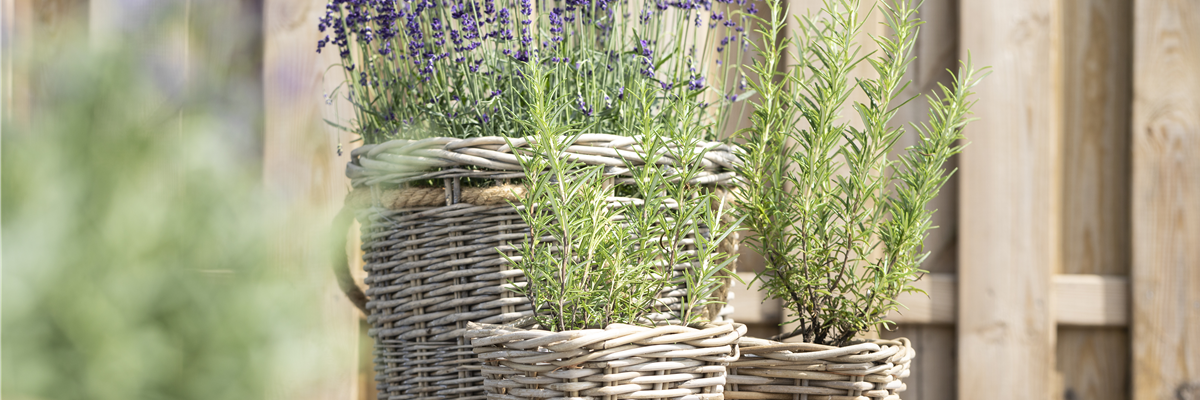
137,243
453,68
839,224
596,259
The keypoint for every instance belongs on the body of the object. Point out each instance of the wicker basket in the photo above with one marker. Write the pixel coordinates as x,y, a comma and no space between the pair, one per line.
619,362
785,371
432,253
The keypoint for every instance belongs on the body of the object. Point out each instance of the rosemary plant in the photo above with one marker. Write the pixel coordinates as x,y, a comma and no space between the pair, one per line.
841,225
595,259
454,67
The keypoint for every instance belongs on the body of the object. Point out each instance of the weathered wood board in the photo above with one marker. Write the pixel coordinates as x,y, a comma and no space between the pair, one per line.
301,167
1009,213
1166,200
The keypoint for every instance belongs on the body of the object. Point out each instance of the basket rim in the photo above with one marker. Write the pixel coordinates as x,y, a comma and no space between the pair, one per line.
494,157
865,351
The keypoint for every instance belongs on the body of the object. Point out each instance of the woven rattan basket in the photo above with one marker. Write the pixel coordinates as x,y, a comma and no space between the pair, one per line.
433,255
771,370
620,362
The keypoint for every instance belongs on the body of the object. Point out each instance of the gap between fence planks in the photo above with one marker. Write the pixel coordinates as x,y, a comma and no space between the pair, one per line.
1166,200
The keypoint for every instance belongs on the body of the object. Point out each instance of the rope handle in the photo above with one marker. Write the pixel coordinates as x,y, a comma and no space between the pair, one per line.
341,262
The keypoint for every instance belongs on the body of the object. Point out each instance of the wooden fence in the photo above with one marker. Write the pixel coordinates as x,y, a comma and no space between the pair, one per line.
1067,264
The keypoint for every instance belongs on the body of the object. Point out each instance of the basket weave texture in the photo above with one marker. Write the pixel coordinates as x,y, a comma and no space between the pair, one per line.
619,362
785,371
434,259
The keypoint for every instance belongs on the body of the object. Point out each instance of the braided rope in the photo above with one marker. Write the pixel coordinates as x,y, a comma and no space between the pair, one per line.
618,362
771,370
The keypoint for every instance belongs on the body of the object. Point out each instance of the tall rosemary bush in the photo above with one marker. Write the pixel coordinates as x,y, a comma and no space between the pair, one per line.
594,259
454,67
841,225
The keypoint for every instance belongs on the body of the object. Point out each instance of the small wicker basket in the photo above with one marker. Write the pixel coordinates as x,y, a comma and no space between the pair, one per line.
433,255
619,362
787,371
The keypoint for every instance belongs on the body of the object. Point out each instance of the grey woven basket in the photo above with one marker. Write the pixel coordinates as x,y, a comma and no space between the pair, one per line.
619,362
433,255
771,370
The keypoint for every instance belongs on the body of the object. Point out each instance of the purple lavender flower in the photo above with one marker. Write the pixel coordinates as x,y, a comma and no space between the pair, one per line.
584,107
556,20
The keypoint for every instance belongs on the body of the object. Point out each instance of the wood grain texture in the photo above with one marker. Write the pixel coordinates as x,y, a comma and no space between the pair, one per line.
1008,229
933,376
1097,64
1093,362
1097,90
751,306
1080,301
302,169
7,53
936,53
935,369
1166,200
1091,300
34,26
17,31
938,306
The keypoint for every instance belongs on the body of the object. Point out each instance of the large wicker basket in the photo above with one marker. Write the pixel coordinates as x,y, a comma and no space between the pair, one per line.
433,254
785,371
619,362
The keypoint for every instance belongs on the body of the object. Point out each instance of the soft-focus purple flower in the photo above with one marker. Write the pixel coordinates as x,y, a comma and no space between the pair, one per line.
585,108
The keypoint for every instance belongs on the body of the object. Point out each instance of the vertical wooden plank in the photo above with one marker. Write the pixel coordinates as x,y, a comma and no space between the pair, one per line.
34,25
934,375
1008,225
1097,88
936,51
229,33
1097,62
1166,197
8,29
302,168
1093,363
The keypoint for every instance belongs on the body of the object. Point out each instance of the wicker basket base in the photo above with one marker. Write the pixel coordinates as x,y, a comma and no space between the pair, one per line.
788,371
620,362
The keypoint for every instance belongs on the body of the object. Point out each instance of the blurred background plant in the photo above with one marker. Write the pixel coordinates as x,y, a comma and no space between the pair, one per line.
141,253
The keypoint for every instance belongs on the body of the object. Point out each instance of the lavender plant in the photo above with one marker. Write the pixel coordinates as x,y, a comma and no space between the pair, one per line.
454,67
840,225
594,259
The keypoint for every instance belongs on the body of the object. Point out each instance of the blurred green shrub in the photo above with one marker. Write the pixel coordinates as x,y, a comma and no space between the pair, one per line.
137,245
